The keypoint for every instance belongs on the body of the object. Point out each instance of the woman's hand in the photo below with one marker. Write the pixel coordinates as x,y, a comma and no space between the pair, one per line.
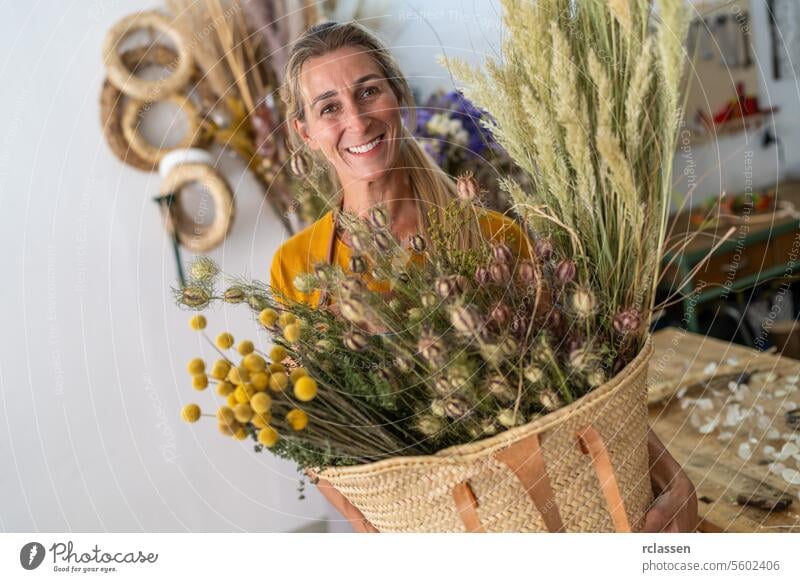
349,511
675,506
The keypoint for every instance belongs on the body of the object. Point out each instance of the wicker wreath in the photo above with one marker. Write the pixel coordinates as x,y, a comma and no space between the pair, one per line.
132,114
195,237
112,101
124,79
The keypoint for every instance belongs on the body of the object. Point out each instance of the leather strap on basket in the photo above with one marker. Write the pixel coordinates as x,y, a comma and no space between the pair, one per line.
467,506
526,461
591,444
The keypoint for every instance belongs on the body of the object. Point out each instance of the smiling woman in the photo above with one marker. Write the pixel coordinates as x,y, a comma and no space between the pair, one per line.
346,100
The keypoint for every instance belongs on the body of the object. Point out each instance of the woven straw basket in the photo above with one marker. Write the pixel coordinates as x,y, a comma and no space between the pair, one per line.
582,468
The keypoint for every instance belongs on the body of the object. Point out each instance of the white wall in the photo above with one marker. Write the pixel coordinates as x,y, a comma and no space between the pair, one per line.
92,348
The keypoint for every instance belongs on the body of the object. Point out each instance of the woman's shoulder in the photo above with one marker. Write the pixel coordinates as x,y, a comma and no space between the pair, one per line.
299,253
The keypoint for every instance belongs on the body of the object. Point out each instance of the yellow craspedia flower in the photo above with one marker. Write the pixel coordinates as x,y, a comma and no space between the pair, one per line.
254,363
286,318
243,413
225,415
292,332
190,413
240,434
278,381
239,375
297,373
277,354
259,380
225,388
244,393
268,317
200,382
197,322
268,436
276,367
261,420
260,402
231,400
297,419
224,341
228,429
196,366
305,388
245,347
220,369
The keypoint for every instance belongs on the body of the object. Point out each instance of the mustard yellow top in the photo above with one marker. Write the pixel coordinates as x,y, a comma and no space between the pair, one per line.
309,247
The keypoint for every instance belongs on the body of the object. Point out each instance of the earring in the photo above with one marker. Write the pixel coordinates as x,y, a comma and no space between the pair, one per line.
299,164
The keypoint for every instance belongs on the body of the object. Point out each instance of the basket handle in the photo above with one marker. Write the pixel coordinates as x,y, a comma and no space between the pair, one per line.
591,443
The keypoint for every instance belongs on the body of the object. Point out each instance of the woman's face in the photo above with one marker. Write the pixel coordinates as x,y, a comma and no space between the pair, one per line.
351,114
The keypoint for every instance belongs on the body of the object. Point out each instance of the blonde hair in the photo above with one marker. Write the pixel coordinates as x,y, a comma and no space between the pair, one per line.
431,187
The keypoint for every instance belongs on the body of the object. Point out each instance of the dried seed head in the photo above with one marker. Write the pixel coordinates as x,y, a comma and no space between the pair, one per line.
429,425
627,321
442,386
417,242
355,341
584,303
509,346
526,272
488,426
456,407
502,253
459,376
549,399
415,314
304,282
583,360
596,378
499,388
565,271
383,240
465,319
378,217
299,164
542,352
351,286
508,418
500,272
501,314
324,345
233,295
358,264
203,269
194,296
403,364
437,408
467,186
359,241
544,249
533,373
482,276
353,311
430,348
429,300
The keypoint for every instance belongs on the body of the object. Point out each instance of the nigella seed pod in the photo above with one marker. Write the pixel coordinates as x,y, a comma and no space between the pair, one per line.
321,273
437,408
431,349
403,278
359,241
378,217
403,364
442,386
499,388
565,271
460,283
584,303
351,286
526,272
502,253
456,408
415,314
383,240
467,186
507,418
489,426
355,341
429,425
509,347
233,295
501,314
627,321
549,399
299,164
445,287
429,300
596,378
352,311
544,249
482,276
465,319
194,296
583,360
501,273
418,243
533,373
358,264
203,269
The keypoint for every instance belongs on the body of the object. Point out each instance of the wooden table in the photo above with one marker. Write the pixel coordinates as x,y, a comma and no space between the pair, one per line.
717,471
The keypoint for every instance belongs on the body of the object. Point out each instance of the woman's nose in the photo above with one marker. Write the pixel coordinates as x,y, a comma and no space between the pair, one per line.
356,119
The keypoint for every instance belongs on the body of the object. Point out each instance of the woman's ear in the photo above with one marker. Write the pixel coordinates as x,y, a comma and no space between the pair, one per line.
300,128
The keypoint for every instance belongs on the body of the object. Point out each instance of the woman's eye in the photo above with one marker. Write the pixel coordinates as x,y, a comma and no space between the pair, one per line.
328,109
369,91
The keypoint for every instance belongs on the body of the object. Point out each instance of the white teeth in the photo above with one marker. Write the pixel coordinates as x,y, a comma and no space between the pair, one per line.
362,149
